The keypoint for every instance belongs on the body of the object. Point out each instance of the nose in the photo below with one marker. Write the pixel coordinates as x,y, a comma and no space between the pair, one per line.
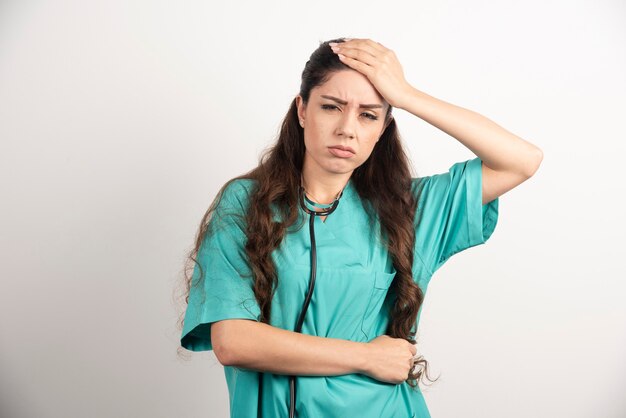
347,125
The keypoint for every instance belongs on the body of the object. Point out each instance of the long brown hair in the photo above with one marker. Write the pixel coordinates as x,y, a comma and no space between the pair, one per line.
383,181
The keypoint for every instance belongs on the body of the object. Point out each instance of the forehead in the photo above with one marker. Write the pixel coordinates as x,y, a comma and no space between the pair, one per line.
349,85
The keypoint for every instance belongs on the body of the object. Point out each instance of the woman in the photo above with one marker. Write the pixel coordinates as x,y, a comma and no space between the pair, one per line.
319,321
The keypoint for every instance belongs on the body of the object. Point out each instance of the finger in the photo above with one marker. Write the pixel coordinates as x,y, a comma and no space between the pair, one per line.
414,349
371,46
361,44
359,55
357,65
380,46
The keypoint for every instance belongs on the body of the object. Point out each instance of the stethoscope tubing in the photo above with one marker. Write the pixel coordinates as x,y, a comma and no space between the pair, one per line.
307,300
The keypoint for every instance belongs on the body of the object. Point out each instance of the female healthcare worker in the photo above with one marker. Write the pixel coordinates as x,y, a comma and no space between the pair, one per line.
347,279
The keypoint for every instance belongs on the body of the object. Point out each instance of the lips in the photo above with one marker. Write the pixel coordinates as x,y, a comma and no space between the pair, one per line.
341,147
341,152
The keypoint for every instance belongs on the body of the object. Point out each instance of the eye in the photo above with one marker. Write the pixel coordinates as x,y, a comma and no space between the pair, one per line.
367,115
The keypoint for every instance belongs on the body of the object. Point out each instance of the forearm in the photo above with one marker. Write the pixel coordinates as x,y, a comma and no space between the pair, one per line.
262,347
498,148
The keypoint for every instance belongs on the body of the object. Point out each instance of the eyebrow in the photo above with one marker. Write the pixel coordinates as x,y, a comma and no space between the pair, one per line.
343,102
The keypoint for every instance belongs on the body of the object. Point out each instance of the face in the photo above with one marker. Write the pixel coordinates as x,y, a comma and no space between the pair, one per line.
345,111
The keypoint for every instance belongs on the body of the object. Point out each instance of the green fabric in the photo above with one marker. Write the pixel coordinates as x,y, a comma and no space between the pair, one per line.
351,295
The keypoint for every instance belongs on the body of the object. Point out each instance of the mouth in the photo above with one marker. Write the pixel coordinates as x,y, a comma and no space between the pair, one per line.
341,147
341,151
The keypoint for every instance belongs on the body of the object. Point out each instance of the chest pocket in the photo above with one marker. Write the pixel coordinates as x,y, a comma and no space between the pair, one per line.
338,303
376,316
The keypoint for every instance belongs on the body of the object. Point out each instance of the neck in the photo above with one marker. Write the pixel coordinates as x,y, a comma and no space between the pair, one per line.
323,187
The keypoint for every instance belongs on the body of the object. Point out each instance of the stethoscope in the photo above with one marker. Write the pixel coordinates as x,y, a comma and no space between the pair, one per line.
305,305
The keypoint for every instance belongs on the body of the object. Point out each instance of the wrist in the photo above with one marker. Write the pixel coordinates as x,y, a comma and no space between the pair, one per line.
362,358
411,94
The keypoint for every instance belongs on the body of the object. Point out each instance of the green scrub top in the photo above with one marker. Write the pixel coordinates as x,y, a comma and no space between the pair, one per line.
351,296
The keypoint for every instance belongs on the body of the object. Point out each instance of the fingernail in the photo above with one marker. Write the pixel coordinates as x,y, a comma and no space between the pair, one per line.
332,44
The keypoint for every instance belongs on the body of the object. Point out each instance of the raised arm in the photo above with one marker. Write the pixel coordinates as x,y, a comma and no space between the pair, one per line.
508,160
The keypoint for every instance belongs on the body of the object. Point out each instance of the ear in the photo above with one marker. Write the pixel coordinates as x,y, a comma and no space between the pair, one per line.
301,107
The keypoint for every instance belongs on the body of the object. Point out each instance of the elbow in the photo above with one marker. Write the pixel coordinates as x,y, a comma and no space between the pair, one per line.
221,349
223,355
535,162
229,339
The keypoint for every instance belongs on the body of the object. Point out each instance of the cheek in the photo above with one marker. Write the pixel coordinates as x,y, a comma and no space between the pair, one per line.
314,141
370,143
316,135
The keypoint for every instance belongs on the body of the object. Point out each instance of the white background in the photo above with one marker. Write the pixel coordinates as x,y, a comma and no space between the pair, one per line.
119,121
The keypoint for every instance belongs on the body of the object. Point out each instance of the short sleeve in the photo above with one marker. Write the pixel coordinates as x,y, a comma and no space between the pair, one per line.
225,290
452,217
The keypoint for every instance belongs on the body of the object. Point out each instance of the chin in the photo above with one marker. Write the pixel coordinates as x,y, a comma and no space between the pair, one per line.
345,168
